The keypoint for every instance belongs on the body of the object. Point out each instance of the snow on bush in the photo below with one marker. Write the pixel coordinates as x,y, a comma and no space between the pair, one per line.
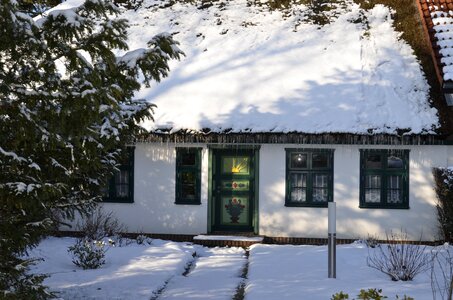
88,254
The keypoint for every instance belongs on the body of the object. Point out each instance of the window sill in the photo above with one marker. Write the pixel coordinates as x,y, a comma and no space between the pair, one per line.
384,207
321,205
187,203
117,200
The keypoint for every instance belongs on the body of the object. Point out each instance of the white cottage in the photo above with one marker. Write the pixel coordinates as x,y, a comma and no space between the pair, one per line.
272,114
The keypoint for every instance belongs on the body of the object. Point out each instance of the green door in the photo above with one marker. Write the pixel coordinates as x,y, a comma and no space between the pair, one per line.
233,189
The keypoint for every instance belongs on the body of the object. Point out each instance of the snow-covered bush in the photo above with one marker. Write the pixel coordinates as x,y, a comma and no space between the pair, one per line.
370,294
443,178
142,239
399,259
88,254
442,272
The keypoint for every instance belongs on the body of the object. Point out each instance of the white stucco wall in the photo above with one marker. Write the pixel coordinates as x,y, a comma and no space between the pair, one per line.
154,211
352,222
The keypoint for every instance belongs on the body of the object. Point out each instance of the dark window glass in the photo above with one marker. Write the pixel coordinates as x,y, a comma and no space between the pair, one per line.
188,159
373,161
120,186
299,161
394,162
188,176
320,160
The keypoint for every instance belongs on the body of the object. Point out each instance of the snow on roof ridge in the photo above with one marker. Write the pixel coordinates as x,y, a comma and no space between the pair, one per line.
249,69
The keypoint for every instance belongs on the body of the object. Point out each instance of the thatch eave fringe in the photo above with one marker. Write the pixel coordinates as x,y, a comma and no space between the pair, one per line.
296,138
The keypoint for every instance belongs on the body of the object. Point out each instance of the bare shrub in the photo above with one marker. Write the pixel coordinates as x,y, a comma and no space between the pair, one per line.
399,259
442,272
100,224
372,241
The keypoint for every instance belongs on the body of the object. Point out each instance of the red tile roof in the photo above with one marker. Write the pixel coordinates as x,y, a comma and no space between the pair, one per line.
437,17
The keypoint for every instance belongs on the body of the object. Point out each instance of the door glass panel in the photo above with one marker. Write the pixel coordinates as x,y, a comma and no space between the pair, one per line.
235,185
235,165
235,210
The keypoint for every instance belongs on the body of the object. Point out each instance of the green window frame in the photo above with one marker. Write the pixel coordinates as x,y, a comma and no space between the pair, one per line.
384,178
188,176
121,185
309,177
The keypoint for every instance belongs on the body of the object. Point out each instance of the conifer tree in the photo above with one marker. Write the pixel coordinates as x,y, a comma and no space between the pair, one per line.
67,109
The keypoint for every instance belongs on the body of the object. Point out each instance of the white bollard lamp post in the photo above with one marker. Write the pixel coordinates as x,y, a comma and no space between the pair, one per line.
332,240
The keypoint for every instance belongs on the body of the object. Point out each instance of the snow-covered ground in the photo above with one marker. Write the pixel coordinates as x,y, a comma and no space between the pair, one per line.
143,271
300,272
171,270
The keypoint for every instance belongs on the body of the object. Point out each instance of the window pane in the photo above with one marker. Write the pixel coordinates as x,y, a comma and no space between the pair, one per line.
299,160
188,158
298,195
373,161
298,180
320,180
320,160
394,162
394,196
394,192
373,181
372,195
188,191
319,195
394,182
122,183
188,178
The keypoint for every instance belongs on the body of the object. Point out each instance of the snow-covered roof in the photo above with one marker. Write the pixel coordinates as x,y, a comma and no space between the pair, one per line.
251,68
438,18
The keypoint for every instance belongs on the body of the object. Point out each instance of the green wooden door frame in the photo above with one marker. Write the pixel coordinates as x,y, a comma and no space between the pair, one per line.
214,150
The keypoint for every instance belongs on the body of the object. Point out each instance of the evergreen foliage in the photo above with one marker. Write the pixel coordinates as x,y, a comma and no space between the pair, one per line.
66,112
34,8
443,178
